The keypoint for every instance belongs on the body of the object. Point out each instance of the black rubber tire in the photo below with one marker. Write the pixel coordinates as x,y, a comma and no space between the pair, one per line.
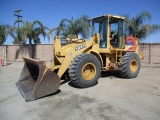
75,70
126,70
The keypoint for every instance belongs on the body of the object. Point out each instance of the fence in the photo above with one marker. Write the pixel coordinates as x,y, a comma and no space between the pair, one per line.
151,52
3,55
40,51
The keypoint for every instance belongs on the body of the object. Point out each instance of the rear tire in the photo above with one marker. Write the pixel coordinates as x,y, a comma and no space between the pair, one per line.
130,65
84,70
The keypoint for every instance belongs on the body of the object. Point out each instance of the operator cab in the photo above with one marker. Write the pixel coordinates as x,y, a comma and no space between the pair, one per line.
111,30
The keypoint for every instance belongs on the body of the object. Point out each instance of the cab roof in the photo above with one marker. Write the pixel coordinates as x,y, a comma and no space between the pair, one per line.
109,15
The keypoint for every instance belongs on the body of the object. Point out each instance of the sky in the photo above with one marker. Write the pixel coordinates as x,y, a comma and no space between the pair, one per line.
50,12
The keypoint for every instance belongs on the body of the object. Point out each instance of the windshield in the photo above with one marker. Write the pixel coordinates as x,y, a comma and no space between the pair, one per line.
100,26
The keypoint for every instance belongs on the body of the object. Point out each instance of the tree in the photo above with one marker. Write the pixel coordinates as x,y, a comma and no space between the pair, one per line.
30,31
5,30
70,28
2,34
139,25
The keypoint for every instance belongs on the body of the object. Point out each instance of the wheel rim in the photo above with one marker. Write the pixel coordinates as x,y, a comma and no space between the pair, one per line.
133,66
88,71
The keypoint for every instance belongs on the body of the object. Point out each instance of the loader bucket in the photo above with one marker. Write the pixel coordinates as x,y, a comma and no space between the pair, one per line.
36,80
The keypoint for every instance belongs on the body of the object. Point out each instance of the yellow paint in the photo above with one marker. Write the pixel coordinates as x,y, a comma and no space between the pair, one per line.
109,57
88,71
133,66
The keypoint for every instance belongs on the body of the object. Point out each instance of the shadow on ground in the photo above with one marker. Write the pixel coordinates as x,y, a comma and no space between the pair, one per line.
110,74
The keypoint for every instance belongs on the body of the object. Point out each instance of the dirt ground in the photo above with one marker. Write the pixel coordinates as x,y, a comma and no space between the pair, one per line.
112,98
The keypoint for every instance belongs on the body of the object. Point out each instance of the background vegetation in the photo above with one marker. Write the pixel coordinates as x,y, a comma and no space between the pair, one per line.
138,26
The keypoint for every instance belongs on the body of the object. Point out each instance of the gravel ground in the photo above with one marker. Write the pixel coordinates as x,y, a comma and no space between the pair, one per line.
112,98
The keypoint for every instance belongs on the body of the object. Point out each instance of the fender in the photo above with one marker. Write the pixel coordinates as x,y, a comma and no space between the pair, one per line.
97,55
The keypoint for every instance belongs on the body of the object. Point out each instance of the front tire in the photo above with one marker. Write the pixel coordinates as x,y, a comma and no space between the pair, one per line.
84,70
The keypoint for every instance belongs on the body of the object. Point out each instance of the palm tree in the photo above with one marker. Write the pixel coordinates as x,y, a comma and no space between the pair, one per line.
5,30
70,28
2,34
138,26
50,32
30,31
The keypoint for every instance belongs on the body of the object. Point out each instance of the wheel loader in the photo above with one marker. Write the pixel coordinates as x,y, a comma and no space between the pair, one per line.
109,49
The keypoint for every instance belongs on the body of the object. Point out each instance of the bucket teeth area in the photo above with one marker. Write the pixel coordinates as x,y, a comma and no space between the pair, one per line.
26,88
36,80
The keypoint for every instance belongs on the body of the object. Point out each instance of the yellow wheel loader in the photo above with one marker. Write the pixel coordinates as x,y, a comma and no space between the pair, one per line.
109,49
